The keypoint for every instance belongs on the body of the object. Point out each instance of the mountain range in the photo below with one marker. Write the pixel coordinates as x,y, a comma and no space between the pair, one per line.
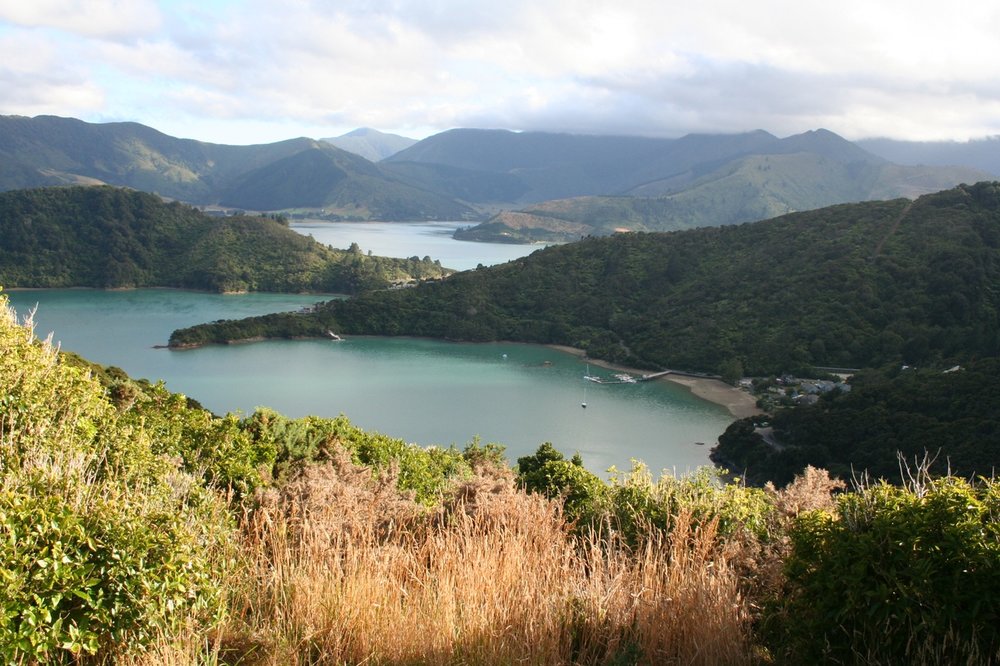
570,186
520,186
287,175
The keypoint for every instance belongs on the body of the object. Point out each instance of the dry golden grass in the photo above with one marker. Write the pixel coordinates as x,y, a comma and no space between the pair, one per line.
341,570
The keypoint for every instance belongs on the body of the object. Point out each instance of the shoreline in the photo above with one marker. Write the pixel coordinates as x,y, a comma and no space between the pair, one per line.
739,403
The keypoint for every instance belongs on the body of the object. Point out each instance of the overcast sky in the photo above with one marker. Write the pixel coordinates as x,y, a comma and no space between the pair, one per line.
256,71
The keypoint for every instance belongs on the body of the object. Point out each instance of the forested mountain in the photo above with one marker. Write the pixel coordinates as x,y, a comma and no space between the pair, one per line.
109,237
851,285
371,144
982,154
48,150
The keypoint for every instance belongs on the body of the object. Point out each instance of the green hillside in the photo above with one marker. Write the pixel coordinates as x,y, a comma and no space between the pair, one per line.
851,285
108,237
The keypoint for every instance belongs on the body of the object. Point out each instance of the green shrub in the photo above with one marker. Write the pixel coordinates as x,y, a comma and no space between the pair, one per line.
632,503
898,575
79,579
636,502
104,541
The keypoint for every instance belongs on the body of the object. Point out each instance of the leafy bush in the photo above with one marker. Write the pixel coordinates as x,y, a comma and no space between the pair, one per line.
548,473
104,542
897,575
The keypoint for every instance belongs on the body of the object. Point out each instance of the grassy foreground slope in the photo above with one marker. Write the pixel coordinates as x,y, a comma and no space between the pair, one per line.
136,528
112,238
854,285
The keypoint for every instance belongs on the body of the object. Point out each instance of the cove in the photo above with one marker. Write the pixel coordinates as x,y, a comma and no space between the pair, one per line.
423,391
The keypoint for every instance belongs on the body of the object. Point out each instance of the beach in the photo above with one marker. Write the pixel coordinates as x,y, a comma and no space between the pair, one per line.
740,403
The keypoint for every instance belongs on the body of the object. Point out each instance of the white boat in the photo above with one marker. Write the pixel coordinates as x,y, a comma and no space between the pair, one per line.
592,378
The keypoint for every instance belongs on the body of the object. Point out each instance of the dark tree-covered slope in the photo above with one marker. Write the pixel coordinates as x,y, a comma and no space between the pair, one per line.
851,285
951,415
108,237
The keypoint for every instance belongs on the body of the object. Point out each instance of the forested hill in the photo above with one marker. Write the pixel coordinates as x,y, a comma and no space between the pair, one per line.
108,237
851,285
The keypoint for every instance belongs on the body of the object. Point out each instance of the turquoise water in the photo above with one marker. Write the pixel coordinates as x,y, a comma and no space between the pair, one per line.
423,391
408,239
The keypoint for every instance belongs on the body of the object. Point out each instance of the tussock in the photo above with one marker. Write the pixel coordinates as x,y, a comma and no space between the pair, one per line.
334,575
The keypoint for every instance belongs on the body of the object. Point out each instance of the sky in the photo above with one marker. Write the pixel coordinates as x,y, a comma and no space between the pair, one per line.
257,71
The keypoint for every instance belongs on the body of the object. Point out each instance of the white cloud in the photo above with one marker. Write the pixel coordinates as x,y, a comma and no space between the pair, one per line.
111,19
36,80
911,69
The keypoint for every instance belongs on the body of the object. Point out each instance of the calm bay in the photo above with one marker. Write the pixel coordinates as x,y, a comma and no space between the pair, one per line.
423,391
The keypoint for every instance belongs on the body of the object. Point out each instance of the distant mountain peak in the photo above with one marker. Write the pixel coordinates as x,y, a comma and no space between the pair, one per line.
371,144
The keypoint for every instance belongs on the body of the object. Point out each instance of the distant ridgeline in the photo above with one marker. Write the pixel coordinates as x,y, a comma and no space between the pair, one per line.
854,285
108,237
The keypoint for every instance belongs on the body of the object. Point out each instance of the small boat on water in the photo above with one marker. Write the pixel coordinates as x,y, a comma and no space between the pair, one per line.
333,336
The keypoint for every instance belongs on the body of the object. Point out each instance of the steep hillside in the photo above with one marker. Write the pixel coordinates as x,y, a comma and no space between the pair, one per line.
108,237
849,285
47,150
697,180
